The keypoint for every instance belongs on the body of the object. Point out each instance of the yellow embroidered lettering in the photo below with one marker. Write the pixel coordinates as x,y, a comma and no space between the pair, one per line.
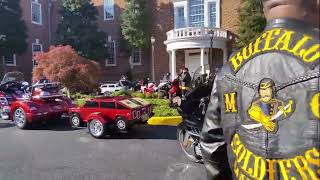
299,44
259,167
284,40
230,102
313,157
285,166
256,46
246,163
303,168
236,61
269,37
271,169
247,52
312,54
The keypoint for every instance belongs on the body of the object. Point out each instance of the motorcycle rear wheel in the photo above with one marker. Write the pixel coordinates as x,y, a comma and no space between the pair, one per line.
188,145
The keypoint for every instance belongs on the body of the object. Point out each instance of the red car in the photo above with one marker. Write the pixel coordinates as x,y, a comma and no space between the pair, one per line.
45,103
104,113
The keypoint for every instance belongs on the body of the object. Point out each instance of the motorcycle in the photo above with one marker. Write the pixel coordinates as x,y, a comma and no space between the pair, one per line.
193,108
12,88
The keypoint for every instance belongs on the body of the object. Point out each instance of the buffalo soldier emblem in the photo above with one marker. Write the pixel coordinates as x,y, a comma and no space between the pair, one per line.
267,110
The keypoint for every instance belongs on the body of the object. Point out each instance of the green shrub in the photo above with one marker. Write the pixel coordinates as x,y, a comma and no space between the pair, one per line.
138,94
149,95
122,93
161,108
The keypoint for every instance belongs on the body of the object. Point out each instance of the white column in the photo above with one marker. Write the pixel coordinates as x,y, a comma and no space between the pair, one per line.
173,64
225,55
202,60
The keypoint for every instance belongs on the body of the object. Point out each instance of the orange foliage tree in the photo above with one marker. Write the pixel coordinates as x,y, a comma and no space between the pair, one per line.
63,64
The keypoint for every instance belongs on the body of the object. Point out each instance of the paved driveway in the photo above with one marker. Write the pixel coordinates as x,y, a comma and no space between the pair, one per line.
59,153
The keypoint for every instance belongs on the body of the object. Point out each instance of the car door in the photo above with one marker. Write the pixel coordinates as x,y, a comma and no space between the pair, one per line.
88,108
108,109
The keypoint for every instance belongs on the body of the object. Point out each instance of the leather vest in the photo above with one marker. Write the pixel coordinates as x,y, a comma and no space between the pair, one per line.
266,101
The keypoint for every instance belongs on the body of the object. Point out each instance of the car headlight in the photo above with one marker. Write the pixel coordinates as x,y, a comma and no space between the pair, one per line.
4,101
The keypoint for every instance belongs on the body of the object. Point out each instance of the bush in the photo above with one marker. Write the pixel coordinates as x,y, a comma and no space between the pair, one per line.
138,94
148,95
161,108
121,93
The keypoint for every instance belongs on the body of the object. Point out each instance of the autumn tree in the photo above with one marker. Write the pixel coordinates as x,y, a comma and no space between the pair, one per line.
64,65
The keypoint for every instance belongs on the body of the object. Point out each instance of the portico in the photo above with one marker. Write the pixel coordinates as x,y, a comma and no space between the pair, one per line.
198,44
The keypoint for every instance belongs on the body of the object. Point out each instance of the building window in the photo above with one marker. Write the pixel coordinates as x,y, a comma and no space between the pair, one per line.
36,48
196,13
36,15
212,6
179,17
10,60
111,54
108,9
136,56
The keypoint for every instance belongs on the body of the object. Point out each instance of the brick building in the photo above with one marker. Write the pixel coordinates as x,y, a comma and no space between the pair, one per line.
170,20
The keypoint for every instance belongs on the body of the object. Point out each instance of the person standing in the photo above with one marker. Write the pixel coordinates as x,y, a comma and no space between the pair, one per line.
185,80
263,117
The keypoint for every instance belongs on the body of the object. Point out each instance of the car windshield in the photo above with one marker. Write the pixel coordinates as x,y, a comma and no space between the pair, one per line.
12,77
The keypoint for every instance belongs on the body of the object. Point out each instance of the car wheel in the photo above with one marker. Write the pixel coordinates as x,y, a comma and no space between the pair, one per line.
121,124
20,119
97,129
75,121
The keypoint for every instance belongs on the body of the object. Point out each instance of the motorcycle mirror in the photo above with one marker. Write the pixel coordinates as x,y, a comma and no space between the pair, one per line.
25,83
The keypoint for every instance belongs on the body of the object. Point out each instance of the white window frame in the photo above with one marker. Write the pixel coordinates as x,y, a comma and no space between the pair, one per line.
14,60
41,50
206,13
106,7
183,4
131,58
115,55
37,3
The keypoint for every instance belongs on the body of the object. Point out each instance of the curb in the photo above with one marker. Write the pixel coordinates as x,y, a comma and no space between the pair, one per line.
169,121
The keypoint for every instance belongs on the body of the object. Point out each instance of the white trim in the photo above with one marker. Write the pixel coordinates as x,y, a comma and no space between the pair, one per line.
104,11
131,58
206,13
14,60
40,8
115,55
41,50
183,4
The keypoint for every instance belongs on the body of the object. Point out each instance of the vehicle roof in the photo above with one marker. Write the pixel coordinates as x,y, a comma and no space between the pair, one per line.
109,98
131,103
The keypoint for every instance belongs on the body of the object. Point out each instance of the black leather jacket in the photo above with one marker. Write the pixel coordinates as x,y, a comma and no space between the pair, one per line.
263,116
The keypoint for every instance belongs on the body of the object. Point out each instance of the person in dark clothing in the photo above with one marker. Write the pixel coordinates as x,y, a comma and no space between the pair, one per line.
185,80
263,116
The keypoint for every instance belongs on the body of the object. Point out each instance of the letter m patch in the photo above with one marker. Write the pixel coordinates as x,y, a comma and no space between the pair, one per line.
230,102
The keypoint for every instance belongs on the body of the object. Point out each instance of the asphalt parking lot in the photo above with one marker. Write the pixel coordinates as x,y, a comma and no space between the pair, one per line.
56,152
